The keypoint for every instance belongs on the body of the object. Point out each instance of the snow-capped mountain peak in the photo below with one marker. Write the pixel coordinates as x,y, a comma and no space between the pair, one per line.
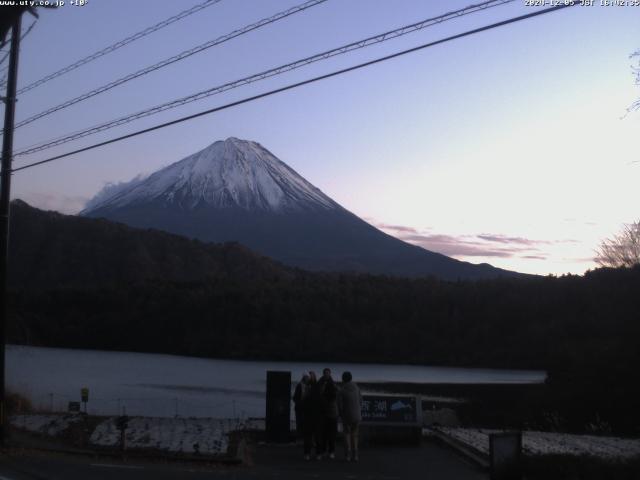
232,173
237,191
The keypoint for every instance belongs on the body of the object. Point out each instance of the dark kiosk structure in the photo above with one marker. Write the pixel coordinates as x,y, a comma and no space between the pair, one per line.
278,418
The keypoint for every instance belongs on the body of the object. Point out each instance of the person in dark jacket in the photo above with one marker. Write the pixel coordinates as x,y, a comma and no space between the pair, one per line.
309,415
350,408
326,401
301,391
315,409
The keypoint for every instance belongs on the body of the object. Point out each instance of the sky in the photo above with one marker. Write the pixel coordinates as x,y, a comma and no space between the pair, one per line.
512,146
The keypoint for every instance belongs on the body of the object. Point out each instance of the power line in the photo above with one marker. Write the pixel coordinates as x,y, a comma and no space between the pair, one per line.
121,43
300,84
263,75
5,56
6,67
176,58
266,74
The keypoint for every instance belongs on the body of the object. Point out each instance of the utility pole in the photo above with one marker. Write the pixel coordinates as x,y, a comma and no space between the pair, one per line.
5,196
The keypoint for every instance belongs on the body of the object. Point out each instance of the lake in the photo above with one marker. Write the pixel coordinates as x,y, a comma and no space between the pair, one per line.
169,385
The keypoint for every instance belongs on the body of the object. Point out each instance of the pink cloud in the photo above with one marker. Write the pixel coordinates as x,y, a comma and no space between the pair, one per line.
480,245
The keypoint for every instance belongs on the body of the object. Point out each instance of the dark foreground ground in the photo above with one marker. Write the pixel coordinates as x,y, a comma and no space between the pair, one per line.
428,460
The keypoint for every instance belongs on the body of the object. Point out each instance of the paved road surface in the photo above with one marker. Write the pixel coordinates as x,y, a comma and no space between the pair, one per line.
428,461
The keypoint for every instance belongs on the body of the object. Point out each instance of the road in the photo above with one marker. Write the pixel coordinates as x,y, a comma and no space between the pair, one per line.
428,461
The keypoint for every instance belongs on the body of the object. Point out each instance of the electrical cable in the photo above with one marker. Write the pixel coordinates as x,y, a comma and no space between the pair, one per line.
113,47
299,84
176,58
3,82
263,75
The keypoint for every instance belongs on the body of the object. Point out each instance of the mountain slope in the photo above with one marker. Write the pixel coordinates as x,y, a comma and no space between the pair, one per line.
50,250
236,190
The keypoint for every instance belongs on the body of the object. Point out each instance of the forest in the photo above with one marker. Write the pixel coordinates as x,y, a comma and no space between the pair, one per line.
584,330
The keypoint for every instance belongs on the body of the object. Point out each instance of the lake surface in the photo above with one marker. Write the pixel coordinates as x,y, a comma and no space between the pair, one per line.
169,385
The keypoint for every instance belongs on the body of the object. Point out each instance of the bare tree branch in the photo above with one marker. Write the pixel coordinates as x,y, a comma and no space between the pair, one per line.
636,73
623,250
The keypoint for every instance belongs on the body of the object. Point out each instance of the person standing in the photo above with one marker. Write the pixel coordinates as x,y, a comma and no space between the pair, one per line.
350,406
310,413
328,415
301,391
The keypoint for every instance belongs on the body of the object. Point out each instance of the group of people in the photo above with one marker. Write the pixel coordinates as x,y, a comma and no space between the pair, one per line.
318,405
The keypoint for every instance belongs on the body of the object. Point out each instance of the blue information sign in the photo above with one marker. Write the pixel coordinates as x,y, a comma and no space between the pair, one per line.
389,409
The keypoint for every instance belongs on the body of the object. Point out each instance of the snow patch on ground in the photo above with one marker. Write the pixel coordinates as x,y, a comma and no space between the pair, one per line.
255,424
50,425
207,436
549,443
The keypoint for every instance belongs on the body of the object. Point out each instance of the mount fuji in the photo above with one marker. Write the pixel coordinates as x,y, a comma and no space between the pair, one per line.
236,190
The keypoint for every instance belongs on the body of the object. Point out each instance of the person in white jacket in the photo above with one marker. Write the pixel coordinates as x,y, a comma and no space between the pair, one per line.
349,406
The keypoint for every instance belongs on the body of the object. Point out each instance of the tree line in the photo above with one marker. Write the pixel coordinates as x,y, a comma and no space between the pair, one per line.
582,330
